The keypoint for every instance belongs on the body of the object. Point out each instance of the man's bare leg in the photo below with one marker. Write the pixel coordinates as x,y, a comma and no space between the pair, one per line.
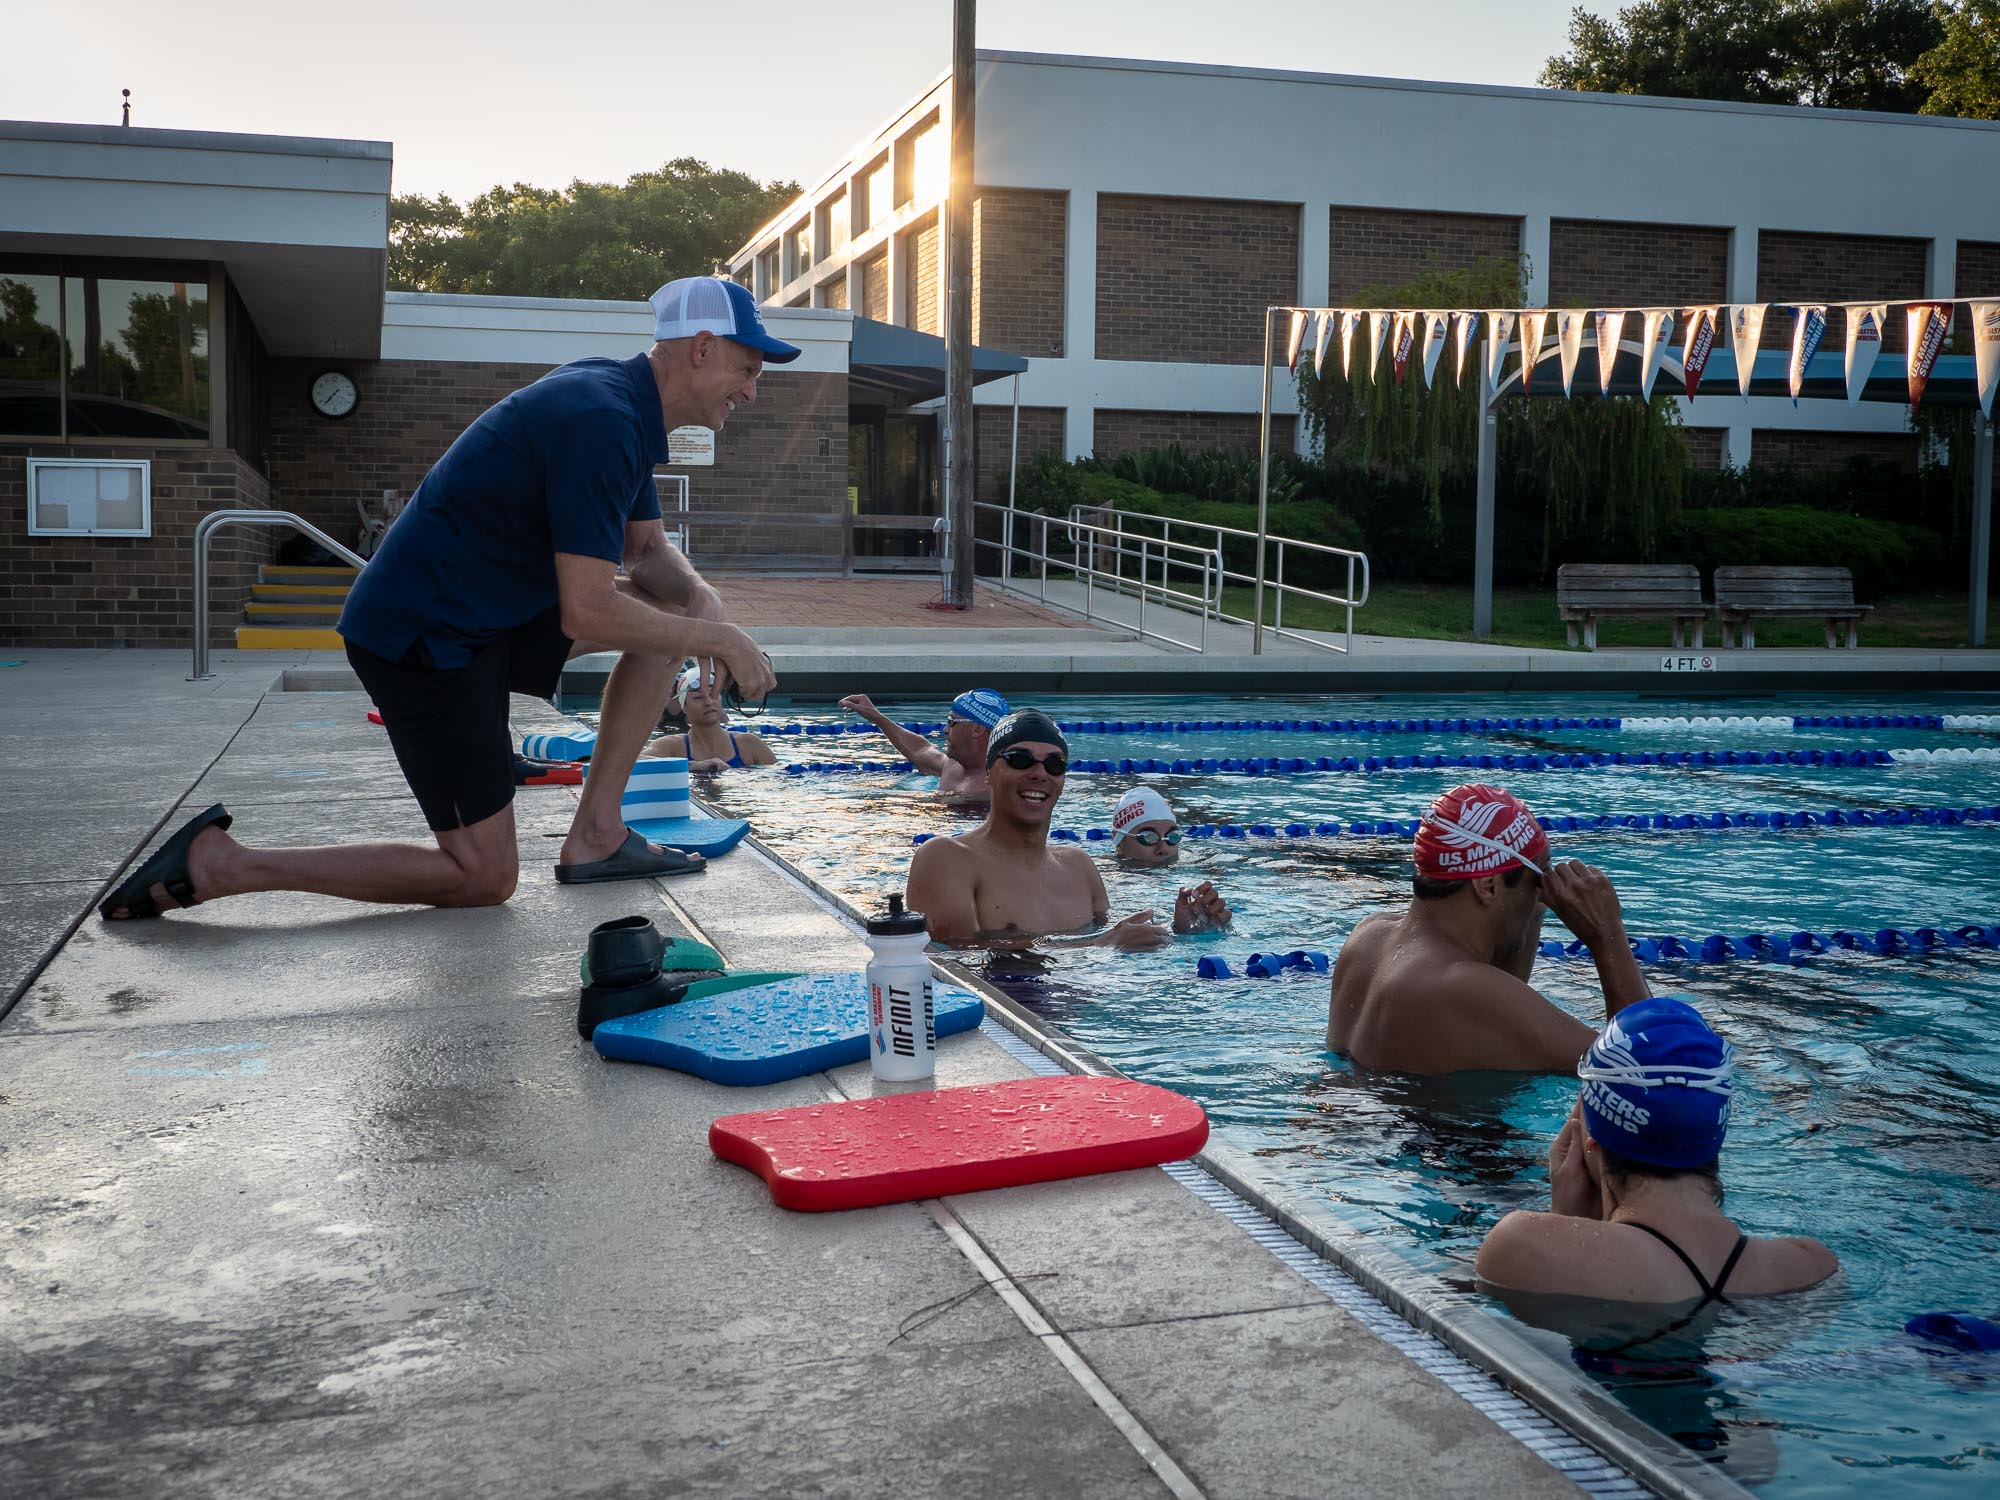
474,866
633,698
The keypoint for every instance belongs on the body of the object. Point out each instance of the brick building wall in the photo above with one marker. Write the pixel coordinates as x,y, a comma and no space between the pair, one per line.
1387,246
1704,446
786,451
1186,280
1593,264
1830,452
138,591
1978,276
875,287
836,291
923,247
1116,432
1836,268
1041,432
1018,244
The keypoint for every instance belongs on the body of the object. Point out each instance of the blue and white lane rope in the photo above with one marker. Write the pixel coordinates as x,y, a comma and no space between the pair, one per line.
1791,948
1655,822
1445,726
1368,765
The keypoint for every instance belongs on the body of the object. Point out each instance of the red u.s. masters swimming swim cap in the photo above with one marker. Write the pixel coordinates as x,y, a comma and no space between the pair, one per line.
1479,830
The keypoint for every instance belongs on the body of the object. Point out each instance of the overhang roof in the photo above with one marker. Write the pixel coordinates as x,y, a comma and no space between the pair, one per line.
892,366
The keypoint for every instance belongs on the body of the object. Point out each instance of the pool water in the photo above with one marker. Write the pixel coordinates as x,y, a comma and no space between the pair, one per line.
1868,1100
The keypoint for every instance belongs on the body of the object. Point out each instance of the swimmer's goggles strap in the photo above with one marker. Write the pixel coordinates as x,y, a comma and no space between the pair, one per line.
1720,1080
1481,841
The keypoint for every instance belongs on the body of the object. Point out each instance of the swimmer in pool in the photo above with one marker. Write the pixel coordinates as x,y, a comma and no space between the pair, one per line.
708,745
1003,884
1635,1192
960,766
1442,986
1148,832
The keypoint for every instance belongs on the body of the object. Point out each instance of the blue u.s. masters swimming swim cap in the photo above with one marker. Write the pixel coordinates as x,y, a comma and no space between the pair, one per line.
981,705
1657,1084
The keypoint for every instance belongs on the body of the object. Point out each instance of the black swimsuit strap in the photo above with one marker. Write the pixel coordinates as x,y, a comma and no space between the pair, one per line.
1722,1280
1710,1292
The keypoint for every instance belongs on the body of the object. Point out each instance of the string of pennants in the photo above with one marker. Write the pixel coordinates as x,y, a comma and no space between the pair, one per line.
1400,331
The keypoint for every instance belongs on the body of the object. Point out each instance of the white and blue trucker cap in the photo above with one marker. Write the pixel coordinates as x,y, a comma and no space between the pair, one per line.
713,304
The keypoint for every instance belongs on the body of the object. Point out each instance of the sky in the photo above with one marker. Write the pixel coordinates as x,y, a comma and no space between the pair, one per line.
505,91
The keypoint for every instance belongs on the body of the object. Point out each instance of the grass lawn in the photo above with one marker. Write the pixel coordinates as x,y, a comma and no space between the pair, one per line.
1527,617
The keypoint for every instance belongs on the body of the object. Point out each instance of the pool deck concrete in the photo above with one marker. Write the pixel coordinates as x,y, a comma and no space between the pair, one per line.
307,1199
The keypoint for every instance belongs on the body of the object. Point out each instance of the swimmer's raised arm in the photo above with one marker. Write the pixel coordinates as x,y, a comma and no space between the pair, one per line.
914,748
1583,896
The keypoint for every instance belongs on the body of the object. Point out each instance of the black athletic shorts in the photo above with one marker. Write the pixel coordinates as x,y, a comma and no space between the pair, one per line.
448,725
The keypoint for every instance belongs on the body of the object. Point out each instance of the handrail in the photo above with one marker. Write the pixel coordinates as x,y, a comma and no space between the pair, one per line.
1083,561
1350,601
212,522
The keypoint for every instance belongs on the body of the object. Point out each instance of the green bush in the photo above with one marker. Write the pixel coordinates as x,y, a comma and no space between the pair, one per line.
1884,556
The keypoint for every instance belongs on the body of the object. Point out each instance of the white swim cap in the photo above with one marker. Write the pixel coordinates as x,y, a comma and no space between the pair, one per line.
687,682
1141,805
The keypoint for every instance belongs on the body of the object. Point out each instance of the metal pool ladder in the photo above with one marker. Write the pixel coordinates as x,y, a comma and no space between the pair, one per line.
215,521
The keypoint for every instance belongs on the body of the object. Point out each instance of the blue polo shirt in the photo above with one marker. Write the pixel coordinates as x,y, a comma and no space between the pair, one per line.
561,466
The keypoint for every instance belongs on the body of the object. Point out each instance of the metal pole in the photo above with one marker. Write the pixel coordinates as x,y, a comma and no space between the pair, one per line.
1482,528
201,536
1982,523
959,479
1263,491
1013,464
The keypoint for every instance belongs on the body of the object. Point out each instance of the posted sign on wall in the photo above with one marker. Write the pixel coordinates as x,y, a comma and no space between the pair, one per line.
690,448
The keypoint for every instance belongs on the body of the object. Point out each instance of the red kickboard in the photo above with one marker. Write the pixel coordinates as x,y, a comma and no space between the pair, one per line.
856,1153
375,716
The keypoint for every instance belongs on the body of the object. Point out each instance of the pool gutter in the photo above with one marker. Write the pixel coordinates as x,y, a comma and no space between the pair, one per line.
1569,1399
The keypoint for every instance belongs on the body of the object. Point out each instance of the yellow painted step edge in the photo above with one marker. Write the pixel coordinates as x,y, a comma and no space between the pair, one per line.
259,607
271,638
341,571
264,590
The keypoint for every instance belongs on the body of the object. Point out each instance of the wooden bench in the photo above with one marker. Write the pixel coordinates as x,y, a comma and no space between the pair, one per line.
1743,595
1588,592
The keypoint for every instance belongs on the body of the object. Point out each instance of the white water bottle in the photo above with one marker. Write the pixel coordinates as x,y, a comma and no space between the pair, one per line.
902,1016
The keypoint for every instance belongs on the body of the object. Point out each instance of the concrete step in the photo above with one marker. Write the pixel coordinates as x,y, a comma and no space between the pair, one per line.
273,573
288,638
261,611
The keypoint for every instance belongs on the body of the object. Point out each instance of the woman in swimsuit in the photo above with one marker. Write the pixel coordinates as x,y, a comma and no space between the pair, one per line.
707,745
1635,1195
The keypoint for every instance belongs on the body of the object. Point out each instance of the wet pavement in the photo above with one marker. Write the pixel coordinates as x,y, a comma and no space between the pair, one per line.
301,1198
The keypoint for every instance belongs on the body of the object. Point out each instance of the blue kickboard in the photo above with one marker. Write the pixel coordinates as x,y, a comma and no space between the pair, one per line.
704,836
769,1032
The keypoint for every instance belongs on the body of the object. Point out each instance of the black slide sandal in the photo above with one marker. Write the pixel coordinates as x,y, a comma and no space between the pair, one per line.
168,867
635,859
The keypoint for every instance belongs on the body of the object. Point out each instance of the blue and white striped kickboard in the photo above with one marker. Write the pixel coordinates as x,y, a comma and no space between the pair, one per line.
573,744
657,804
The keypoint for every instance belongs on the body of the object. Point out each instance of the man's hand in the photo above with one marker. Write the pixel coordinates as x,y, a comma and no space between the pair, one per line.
1583,896
862,704
1199,908
1572,1179
1134,934
737,659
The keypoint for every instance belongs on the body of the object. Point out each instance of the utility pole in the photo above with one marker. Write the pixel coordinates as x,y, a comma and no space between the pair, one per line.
958,480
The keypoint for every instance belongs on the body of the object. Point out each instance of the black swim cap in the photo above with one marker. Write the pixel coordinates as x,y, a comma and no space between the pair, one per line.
1024,724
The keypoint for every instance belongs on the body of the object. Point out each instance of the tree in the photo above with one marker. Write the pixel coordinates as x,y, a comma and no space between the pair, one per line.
1833,54
592,239
1962,72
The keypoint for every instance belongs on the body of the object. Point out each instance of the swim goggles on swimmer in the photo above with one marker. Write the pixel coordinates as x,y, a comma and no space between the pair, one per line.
1459,831
1147,837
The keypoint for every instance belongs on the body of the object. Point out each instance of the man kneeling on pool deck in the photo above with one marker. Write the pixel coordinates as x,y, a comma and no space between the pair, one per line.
1003,881
1441,987
1635,1189
1148,832
961,766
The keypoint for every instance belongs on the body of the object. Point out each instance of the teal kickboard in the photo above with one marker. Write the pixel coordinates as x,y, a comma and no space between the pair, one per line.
704,836
784,1028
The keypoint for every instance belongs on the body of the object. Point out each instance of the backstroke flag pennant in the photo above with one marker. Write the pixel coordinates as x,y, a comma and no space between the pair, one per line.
1436,327
1324,332
1986,351
1929,323
1610,328
1499,329
1746,329
1350,320
1808,328
1295,340
1700,345
1864,342
1534,331
1659,332
1406,340
1378,335
1465,326
1569,341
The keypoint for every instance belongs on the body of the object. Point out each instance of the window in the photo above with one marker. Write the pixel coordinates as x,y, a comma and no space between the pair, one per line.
833,225
930,166
881,191
768,274
97,350
87,497
799,249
